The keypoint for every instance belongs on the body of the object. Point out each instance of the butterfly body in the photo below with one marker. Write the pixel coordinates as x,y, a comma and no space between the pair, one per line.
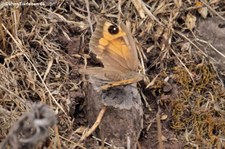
115,48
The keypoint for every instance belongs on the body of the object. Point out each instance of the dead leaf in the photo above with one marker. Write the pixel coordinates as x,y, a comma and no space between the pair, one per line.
190,21
203,11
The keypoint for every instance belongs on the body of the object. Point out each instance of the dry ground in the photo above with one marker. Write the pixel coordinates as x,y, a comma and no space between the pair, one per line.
42,48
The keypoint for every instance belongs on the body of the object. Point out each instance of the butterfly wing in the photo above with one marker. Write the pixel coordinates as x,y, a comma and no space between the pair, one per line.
104,78
115,47
132,58
103,74
116,50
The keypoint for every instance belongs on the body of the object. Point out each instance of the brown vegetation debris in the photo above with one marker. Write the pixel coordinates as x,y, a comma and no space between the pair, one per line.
43,46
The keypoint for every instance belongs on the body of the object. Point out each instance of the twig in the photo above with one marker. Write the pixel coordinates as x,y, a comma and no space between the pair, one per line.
95,125
18,97
183,65
150,14
89,15
159,128
58,141
220,53
182,35
75,144
203,1
19,45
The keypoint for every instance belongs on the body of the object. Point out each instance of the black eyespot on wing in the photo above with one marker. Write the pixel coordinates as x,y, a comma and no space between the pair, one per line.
113,29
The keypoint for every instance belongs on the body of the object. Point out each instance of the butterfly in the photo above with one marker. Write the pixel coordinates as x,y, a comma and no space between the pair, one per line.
116,49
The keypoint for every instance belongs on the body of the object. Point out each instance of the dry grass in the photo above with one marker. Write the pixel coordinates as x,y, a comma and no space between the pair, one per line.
42,48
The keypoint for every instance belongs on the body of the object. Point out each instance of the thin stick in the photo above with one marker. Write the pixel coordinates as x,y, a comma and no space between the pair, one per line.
185,67
150,13
212,10
89,15
185,37
58,142
18,97
159,129
95,125
214,48
19,45
75,144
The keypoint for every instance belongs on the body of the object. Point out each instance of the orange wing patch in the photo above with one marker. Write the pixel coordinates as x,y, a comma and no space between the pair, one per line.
115,47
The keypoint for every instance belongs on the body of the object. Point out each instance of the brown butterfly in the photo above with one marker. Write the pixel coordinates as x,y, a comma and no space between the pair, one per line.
115,48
